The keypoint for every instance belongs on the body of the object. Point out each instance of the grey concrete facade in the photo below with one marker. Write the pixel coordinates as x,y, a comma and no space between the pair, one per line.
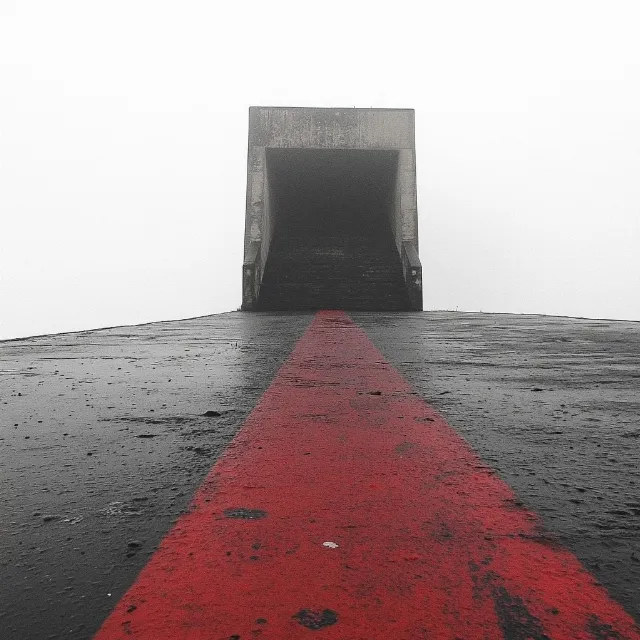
327,129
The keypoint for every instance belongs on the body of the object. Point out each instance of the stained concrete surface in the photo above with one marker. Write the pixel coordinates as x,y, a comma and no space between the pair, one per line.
103,438
102,443
553,405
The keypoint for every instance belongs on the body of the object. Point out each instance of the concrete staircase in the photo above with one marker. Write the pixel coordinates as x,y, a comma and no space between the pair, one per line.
311,271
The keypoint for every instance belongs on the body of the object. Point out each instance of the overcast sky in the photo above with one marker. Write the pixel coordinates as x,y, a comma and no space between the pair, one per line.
123,129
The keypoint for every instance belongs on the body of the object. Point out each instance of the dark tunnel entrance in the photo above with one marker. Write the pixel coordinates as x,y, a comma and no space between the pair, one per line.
330,216
331,193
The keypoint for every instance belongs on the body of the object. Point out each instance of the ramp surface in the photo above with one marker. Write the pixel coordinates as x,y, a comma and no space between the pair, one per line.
553,405
346,504
103,441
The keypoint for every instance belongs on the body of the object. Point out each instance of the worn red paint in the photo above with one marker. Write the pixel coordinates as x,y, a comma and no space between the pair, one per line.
431,544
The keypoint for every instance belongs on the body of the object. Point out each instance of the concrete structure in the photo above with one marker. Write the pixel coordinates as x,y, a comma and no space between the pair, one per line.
331,216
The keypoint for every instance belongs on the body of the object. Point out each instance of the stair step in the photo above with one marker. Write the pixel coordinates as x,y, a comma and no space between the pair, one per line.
307,271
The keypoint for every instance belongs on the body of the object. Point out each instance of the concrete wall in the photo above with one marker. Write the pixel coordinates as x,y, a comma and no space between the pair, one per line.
330,129
258,225
310,128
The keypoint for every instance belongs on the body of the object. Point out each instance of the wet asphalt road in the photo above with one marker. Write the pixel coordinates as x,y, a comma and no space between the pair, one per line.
553,404
103,442
103,438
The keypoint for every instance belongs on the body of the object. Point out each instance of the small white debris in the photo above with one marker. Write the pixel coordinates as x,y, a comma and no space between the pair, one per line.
331,545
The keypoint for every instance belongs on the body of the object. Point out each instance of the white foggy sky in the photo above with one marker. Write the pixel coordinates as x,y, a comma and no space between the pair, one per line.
123,131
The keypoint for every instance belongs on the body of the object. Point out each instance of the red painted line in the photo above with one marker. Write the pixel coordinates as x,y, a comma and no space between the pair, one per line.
430,543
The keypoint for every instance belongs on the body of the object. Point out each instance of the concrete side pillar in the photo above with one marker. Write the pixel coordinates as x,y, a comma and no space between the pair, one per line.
254,252
408,197
256,179
412,270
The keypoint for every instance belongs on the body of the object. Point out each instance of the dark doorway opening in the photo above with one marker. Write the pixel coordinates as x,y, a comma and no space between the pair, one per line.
331,193
332,245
